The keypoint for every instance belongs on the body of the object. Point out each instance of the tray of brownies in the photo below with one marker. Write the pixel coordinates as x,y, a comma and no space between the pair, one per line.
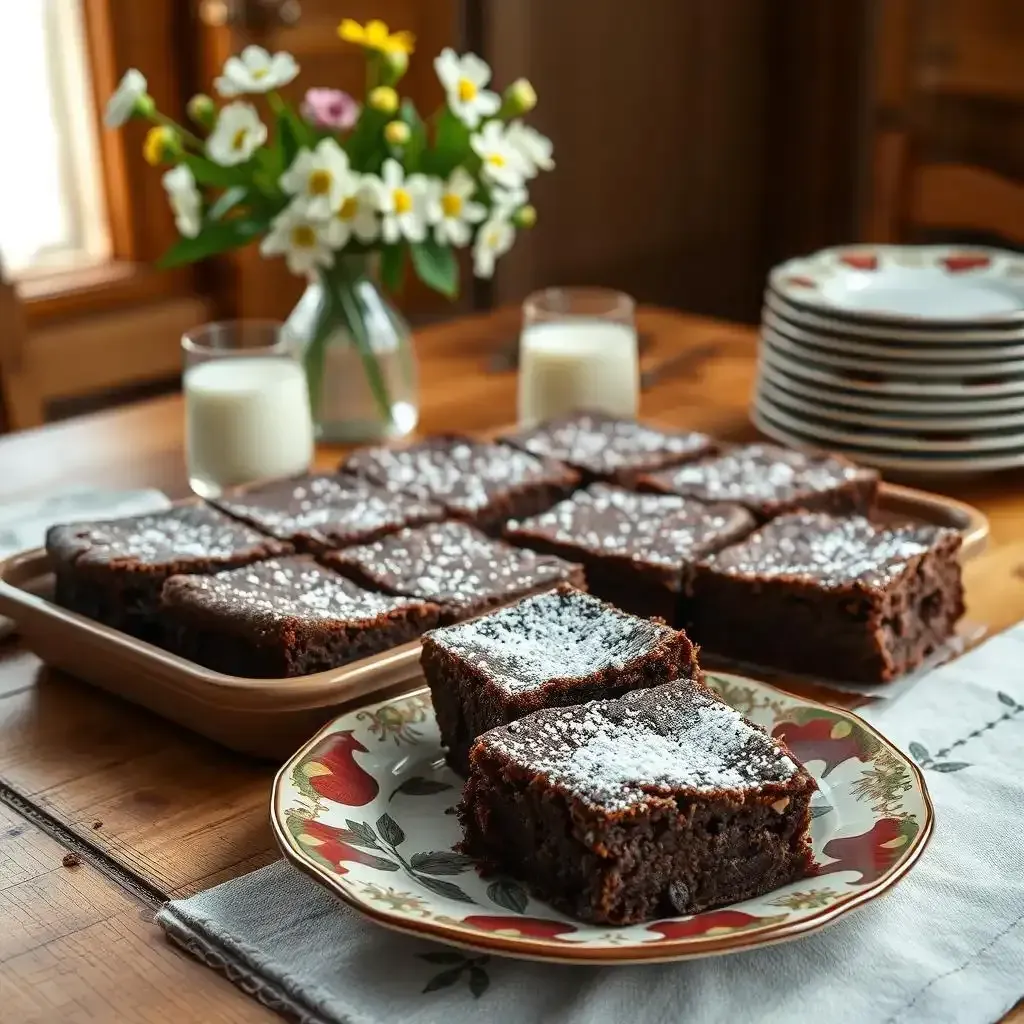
254,618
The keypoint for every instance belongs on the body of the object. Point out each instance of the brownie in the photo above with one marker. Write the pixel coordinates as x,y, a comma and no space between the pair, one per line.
769,480
455,566
557,648
483,483
285,617
326,511
638,550
604,447
114,571
842,598
663,802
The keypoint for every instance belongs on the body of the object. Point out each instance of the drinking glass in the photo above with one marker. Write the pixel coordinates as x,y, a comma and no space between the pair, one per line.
578,350
247,414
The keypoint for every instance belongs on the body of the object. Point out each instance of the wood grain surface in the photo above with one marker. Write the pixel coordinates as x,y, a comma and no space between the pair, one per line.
161,812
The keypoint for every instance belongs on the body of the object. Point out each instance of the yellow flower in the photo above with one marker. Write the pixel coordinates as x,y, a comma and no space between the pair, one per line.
375,36
161,142
397,133
384,99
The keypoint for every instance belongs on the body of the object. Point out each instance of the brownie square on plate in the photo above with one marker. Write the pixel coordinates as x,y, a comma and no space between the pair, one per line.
114,571
604,447
638,549
480,482
285,617
455,566
561,647
843,598
665,801
769,480
324,511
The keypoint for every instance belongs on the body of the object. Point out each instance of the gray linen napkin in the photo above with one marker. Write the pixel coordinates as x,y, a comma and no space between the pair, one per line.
946,945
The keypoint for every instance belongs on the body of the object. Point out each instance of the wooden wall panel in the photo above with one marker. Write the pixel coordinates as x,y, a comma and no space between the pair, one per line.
657,112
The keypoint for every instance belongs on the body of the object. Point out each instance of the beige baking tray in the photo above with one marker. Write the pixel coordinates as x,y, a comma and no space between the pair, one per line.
271,717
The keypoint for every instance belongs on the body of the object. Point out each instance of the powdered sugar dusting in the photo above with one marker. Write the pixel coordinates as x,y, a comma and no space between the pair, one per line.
328,509
617,753
284,588
657,529
463,475
833,551
760,473
603,445
563,634
187,531
454,564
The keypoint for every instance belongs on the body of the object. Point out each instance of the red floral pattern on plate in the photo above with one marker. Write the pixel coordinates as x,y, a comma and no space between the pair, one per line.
334,774
824,736
860,260
712,922
957,263
536,927
870,854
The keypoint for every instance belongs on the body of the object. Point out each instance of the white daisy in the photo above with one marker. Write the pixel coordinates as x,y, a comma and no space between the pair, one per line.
494,239
356,214
452,210
239,132
320,178
502,163
464,79
535,150
185,199
507,200
256,71
301,240
121,106
402,202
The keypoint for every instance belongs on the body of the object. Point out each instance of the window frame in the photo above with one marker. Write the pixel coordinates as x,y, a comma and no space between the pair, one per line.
120,34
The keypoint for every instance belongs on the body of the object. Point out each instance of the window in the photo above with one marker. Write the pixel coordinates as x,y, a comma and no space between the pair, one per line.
52,214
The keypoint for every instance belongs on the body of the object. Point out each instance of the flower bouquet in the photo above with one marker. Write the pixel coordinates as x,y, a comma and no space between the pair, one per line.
347,192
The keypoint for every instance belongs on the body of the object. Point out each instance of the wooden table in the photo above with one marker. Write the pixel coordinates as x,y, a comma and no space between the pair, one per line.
133,794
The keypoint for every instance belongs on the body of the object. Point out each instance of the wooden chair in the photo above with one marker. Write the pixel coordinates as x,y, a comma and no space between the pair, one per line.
932,71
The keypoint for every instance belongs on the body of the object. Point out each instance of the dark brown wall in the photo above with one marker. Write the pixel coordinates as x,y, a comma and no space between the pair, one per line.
677,142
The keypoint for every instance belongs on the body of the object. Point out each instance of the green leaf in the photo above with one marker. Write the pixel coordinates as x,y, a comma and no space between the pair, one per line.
206,172
451,145
365,146
820,810
380,863
227,201
436,267
287,139
508,894
417,785
950,766
478,981
442,888
392,264
354,838
414,148
365,833
390,831
443,980
442,956
1006,699
441,862
918,752
215,237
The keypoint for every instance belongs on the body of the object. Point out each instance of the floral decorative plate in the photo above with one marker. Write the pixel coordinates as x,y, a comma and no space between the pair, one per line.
933,285
366,808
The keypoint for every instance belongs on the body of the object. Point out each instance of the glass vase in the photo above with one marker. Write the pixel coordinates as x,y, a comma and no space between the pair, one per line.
358,354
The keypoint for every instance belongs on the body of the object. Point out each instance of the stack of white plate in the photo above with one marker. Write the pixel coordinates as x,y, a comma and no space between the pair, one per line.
909,358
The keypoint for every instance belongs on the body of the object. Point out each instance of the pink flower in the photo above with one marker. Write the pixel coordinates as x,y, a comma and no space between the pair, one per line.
330,108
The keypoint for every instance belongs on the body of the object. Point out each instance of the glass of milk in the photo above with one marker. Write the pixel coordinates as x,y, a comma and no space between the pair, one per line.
577,350
247,414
